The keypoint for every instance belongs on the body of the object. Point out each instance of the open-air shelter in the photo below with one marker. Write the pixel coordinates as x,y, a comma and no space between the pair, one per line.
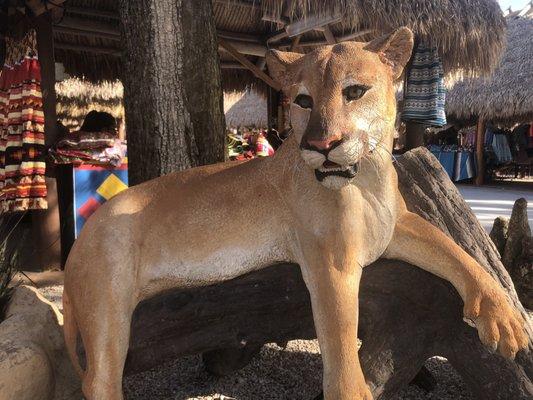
85,37
506,96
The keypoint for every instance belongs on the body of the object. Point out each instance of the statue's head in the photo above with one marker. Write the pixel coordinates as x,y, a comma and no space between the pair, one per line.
343,103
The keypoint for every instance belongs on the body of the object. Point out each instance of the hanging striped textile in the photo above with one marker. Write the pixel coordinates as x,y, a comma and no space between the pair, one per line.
425,93
22,150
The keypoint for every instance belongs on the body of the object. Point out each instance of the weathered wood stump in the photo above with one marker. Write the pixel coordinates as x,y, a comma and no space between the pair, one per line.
407,315
515,244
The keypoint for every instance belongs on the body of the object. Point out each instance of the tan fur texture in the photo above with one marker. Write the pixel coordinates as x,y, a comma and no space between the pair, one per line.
327,200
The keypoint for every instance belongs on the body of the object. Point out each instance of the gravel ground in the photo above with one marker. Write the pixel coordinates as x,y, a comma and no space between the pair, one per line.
291,373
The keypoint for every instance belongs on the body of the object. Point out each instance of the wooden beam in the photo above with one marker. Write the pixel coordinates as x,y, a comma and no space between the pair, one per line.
229,65
240,3
270,17
39,7
248,48
79,32
277,36
330,38
87,25
311,23
89,49
241,37
91,12
245,43
480,156
248,64
312,43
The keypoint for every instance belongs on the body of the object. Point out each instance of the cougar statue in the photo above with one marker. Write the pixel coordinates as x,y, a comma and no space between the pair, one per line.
328,200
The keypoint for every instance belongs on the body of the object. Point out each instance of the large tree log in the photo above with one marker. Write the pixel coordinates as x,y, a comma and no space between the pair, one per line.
407,315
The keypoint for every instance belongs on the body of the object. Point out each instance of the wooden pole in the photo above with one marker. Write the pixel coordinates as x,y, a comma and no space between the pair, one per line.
248,64
272,109
329,35
414,135
480,159
46,222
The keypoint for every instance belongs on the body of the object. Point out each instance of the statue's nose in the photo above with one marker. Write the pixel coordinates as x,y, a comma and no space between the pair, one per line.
324,144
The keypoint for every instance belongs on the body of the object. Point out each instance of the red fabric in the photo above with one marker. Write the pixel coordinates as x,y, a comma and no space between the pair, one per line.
22,150
89,207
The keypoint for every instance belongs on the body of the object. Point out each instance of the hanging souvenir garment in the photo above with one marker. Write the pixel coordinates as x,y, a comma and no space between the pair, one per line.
425,94
22,150
464,166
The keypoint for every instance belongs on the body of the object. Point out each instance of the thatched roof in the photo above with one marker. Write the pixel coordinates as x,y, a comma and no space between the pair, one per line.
507,95
468,33
76,97
246,108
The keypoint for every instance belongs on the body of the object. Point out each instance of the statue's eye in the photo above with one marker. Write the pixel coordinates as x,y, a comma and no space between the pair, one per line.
354,92
304,101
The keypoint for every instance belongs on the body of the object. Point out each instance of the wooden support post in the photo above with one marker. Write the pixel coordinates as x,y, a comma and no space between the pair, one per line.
414,135
46,222
271,109
295,43
110,51
281,115
480,159
329,35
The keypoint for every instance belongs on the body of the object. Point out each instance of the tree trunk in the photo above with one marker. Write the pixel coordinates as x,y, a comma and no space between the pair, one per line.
172,89
407,315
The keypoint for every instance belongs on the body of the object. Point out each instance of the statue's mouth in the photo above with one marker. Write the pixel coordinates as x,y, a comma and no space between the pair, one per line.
330,168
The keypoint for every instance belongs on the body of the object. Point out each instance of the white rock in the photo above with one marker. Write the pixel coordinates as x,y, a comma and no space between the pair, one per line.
34,364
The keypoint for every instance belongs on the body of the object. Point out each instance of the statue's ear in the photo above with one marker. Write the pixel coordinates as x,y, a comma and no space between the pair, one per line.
394,49
282,66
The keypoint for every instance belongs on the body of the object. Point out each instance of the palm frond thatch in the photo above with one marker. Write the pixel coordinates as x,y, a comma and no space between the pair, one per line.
507,95
76,97
468,33
247,108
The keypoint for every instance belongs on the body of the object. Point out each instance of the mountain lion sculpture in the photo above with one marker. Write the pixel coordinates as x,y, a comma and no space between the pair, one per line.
327,200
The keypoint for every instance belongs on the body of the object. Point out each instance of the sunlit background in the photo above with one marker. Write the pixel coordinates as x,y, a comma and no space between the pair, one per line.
515,4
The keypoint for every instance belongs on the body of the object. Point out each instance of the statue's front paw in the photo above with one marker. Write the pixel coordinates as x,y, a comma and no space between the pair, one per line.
500,326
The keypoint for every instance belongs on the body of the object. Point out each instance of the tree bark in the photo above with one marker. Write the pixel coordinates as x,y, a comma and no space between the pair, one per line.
498,233
406,315
172,89
513,237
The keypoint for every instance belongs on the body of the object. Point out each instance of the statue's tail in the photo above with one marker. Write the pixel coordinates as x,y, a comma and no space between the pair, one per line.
70,331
